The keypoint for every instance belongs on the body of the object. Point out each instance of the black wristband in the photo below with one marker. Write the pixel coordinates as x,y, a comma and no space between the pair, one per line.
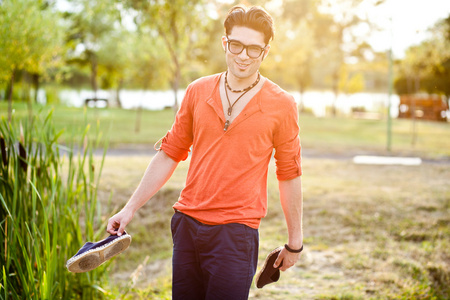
292,250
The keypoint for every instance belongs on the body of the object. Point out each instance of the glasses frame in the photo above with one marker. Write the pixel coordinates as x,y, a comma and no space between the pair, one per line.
245,47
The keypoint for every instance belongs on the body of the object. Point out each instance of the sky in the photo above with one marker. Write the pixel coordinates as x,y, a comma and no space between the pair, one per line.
410,21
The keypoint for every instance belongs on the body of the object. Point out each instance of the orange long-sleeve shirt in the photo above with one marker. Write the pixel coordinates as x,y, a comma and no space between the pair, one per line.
227,177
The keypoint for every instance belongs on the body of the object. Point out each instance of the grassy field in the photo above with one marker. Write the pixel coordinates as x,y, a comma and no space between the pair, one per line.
371,232
322,135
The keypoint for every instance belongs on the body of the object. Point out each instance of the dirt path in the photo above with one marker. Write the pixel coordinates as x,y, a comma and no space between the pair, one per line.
145,150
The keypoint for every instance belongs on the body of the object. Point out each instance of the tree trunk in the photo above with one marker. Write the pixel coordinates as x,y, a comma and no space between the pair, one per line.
335,92
36,86
119,87
175,94
301,106
176,63
94,74
414,123
176,84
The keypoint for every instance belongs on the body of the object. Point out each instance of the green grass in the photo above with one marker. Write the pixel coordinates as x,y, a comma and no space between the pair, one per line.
323,135
118,125
371,232
346,134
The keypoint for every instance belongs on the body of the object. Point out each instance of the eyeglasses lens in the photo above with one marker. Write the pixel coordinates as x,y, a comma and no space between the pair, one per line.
237,48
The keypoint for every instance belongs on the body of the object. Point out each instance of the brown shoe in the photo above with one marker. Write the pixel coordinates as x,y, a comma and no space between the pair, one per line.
268,273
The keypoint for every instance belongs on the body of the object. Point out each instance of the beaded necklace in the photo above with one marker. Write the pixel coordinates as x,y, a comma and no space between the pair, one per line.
243,90
230,106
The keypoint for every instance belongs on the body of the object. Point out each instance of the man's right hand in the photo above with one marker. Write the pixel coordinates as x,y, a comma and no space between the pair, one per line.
117,223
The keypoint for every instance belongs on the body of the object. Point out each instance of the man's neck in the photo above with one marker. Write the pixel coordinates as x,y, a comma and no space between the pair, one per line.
237,83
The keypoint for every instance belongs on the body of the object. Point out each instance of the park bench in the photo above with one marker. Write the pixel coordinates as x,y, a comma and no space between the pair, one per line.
95,102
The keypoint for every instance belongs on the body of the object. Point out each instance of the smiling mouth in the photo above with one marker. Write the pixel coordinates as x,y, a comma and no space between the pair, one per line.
243,66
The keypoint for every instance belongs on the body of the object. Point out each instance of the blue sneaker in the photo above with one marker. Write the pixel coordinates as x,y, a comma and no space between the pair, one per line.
92,255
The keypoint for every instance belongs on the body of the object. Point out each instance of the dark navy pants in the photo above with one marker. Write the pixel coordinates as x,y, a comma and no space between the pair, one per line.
212,262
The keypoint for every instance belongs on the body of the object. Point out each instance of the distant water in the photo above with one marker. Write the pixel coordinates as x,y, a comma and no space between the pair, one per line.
371,102
318,102
152,100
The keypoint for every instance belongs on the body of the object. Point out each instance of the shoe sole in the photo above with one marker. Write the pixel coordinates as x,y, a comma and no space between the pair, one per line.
91,259
266,261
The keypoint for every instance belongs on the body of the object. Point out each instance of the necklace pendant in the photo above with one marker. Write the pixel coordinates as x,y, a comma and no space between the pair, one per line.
230,109
227,123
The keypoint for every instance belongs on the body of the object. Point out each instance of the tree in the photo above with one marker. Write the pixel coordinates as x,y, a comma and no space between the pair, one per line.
295,49
426,66
438,77
336,37
92,21
115,56
25,42
179,23
298,43
148,69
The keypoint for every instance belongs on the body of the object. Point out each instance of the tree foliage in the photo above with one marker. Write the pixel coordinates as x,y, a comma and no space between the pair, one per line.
156,44
426,67
314,43
300,40
26,43
180,24
92,23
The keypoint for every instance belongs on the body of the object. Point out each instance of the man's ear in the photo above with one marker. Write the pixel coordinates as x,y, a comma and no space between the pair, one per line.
224,43
265,53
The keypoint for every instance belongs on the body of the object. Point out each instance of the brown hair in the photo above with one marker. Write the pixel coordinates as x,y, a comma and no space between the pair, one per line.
254,17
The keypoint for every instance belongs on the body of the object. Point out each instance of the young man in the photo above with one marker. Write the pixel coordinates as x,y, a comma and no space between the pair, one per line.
232,122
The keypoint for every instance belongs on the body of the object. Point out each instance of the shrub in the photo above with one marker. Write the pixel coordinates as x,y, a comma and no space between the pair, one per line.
48,208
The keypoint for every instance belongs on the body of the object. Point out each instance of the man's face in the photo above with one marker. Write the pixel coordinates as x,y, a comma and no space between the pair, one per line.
241,65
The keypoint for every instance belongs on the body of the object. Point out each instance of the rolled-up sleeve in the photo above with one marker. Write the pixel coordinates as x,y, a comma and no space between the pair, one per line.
287,146
177,142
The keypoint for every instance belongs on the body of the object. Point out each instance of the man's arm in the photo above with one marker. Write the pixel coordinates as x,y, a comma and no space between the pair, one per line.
292,204
158,172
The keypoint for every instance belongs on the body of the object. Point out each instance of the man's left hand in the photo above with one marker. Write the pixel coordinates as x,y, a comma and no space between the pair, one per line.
289,259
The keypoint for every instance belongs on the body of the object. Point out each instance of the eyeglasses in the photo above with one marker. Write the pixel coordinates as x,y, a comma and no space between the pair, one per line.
253,51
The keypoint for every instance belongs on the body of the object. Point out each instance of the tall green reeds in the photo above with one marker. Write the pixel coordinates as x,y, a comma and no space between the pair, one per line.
48,209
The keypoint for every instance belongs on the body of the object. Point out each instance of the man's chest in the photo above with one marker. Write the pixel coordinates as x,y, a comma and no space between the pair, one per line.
251,127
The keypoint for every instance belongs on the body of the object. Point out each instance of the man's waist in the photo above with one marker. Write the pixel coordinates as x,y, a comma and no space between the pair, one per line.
213,217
